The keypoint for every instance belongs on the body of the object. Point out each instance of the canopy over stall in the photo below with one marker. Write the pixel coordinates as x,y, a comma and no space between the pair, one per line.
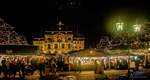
88,53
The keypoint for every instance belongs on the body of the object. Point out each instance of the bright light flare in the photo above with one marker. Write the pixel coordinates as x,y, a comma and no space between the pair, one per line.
119,26
137,28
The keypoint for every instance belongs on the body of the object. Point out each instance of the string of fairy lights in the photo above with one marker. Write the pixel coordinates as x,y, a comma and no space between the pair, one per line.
8,36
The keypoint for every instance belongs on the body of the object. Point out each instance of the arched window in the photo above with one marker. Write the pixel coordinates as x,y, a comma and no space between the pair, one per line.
56,46
63,45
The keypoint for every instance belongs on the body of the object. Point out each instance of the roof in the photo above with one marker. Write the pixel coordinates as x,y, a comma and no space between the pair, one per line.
55,32
88,53
38,39
95,53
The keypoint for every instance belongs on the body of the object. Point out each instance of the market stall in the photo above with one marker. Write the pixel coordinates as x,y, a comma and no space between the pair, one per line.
87,59
90,58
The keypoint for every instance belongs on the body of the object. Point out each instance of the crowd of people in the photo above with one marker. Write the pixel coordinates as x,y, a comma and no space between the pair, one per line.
10,65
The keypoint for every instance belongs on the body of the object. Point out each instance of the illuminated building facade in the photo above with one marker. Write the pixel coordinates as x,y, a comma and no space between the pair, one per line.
59,41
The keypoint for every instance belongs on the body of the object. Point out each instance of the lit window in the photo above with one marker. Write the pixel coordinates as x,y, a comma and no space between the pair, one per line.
63,45
56,46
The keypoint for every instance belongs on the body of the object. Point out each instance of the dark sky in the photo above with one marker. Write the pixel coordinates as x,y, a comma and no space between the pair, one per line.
30,16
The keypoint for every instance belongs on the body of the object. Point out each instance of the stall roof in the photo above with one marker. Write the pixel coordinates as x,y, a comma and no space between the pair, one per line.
95,53
88,53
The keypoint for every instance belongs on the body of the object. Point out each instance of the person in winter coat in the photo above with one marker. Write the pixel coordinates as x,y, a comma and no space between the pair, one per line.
41,67
4,68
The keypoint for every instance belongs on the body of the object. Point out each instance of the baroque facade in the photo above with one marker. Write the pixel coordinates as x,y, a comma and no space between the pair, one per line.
59,41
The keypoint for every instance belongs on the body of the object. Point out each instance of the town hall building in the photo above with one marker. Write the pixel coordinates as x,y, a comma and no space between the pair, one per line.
59,41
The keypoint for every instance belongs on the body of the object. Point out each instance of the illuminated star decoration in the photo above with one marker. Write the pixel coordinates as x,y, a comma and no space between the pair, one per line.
60,24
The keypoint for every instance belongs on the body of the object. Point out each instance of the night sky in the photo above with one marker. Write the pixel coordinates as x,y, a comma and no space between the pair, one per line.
31,17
